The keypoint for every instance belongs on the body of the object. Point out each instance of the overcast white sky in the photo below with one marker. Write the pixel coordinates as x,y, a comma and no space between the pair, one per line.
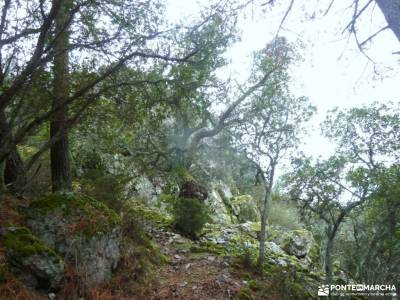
334,72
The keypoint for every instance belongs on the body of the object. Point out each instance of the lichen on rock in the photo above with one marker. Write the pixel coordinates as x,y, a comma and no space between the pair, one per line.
219,212
296,242
31,259
244,208
82,229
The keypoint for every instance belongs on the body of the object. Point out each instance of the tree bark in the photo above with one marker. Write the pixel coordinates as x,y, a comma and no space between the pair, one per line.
12,171
328,260
2,183
332,231
391,11
59,152
263,232
15,173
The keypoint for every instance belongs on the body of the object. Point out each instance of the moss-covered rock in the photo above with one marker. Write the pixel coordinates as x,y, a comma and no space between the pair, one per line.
82,229
95,216
218,209
296,242
148,216
244,208
31,259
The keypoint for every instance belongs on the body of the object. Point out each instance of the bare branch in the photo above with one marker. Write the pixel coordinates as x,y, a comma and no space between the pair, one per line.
374,35
284,17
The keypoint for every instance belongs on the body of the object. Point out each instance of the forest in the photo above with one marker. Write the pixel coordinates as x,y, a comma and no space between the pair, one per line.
134,165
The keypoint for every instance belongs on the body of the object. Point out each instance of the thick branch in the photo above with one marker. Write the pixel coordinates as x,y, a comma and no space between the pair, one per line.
221,123
35,60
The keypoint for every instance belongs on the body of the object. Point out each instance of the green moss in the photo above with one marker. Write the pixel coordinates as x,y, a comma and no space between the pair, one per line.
244,294
271,270
93,216
138,210
208,247
184,175
163,259
180,245
255,226
314,254
241,199
254,285
3,272
21,243
294,262
298,291
272,233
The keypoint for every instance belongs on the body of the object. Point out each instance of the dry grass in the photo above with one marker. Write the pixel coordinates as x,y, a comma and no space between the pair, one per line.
13,289
9,214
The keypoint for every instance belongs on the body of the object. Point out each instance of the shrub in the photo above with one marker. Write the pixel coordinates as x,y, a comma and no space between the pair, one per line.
107,188
190,215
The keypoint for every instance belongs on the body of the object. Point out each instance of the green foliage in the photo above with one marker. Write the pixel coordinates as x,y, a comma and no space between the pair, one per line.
140,254
190,215
109,188
183,175
368,134
169,201
244,294
373,252
361,180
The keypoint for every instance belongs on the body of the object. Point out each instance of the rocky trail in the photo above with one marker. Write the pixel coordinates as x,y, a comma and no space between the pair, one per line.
157,263
193,275
212,268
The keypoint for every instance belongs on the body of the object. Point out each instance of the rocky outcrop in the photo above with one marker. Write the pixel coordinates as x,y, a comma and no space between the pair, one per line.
83,230
296,242
146,190
219,212
227,209
31,260
294,249
244,208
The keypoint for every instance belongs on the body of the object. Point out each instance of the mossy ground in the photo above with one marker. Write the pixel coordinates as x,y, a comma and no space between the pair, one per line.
147,215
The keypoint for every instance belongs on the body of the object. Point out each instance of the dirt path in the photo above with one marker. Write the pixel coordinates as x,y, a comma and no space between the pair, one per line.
191,275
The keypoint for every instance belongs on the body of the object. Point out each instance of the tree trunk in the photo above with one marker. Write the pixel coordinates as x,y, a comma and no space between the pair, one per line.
328,260
13,174
2,183
263,232
391,11
59,152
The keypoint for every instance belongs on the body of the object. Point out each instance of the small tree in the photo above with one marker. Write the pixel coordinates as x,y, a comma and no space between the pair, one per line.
327,190
367,139
374,255
270,130
190,215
